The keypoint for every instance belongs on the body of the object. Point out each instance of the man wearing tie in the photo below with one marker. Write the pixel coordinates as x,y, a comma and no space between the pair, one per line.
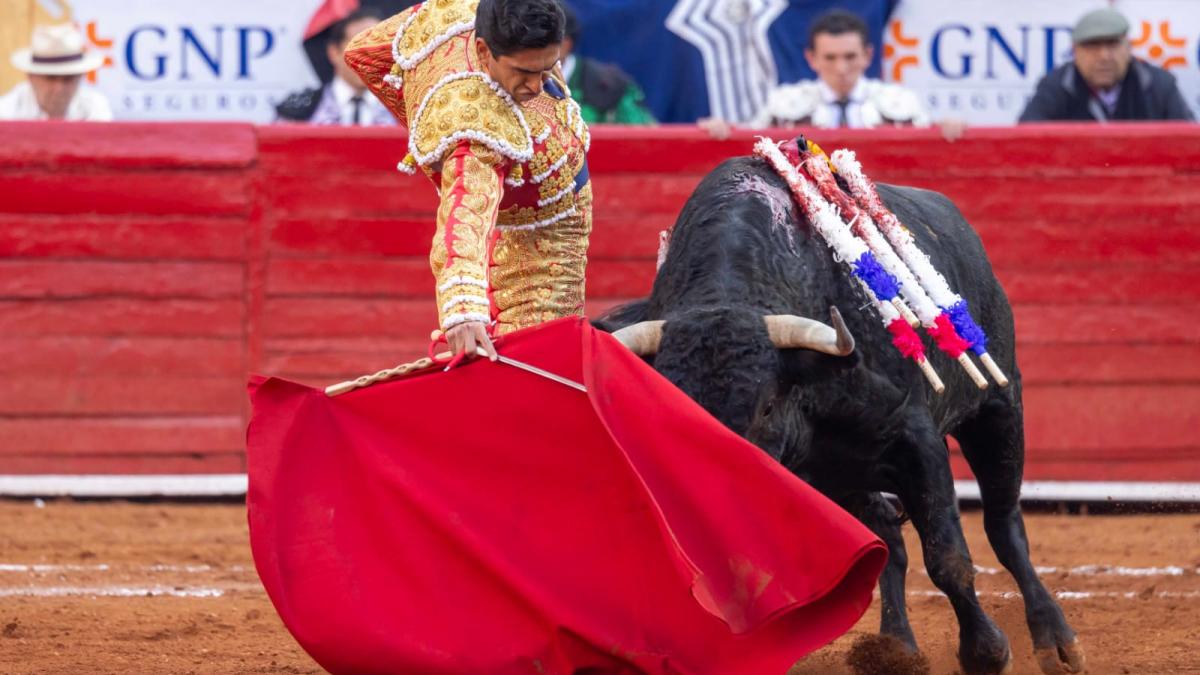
839,51
345,100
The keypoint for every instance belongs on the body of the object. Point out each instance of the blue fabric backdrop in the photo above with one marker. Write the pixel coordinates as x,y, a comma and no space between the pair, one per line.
634,35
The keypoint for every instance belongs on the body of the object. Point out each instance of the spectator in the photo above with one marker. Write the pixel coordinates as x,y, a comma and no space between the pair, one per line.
1104,82
603,91
344,100
839,52
54,65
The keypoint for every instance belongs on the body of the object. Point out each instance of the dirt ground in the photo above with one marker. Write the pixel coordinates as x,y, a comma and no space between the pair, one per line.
114,587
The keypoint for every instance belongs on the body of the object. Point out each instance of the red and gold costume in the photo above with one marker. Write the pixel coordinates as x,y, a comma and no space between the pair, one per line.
516,202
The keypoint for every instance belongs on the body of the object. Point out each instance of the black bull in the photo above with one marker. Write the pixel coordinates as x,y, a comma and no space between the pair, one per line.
854,426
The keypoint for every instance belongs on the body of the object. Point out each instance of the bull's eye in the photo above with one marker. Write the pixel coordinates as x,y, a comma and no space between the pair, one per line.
769,408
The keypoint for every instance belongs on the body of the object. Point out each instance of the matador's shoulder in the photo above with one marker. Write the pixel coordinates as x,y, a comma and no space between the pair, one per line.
429,26
442,99
468,106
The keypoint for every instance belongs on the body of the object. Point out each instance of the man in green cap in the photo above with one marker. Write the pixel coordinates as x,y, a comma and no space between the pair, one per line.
1105,83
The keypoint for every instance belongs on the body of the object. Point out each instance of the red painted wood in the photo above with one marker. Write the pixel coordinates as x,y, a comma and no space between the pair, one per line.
1101,324
627,236
1041,148
57,279
372,194
324,316
597,307
122,236
121,394
1122,469
411,278
127,356
167,435
1093,421
644,193
208,193
326,367
122,316
146,270
1113,284
319,237
1141,284
124,145
619,278
1055,240
331,344
142,464
1139,201
613,236
1063,240
1151,364
373,277
287,148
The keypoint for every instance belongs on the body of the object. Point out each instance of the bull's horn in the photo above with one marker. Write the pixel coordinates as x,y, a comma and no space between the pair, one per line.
796,332
641,338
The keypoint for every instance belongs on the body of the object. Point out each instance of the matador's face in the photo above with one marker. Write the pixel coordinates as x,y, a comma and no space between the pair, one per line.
520,73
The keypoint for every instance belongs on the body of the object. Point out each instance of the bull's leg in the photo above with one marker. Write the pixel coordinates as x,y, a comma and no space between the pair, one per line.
927,491
878,514
994,445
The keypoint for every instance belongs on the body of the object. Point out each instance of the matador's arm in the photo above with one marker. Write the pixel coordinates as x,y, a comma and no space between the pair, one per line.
370,55
472,184
470,173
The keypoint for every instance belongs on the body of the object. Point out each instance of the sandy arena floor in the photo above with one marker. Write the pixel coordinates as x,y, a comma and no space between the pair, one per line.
171,588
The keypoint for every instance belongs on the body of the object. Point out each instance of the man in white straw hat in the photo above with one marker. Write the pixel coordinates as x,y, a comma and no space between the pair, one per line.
55,63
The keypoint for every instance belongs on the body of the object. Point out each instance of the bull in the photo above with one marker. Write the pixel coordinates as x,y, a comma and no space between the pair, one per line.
736,318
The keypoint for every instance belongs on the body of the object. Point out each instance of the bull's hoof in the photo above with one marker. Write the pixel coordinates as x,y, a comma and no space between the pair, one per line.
988,657
1061,660
885,655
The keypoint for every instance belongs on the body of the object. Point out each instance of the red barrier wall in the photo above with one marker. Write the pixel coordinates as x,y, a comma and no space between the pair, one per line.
146,269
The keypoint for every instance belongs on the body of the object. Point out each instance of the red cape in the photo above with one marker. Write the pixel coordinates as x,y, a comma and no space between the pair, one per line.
488,520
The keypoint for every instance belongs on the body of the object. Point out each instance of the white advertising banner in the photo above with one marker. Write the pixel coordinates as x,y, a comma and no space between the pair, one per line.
973,60
216,60
980,60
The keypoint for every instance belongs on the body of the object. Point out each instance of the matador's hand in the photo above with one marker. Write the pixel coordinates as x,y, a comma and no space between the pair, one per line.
465,338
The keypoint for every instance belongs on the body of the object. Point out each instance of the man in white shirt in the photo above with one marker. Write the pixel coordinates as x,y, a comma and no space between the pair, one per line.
345,100
55,64
839,52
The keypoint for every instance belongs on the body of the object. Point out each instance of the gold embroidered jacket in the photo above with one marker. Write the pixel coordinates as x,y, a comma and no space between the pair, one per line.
516,202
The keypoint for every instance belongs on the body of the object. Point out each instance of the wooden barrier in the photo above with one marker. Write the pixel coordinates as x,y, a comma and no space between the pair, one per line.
145,269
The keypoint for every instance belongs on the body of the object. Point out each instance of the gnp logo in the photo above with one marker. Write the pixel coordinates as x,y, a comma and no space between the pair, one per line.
155,53
960,51
894,61
101,44
1163,50
957,51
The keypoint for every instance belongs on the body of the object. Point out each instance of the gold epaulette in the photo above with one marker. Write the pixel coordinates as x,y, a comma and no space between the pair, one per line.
468,106
431,26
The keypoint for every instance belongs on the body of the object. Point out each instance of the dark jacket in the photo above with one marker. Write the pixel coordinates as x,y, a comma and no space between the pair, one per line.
606,94
300,106
1148,93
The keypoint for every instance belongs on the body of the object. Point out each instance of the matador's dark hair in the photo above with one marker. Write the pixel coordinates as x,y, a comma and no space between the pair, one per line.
838,22
509,26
